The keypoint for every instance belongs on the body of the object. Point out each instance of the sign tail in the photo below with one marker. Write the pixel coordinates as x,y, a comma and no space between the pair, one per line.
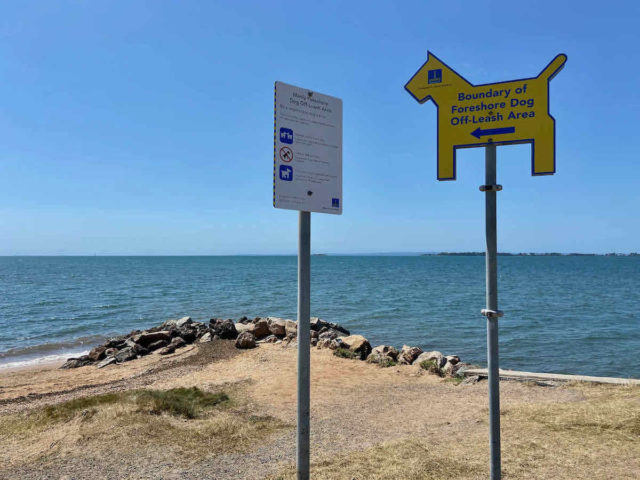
554,67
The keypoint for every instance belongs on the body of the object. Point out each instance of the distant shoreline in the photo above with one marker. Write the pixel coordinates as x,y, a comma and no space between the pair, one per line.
523,254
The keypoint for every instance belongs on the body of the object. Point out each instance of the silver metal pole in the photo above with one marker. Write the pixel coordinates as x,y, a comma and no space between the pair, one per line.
304,357
492,313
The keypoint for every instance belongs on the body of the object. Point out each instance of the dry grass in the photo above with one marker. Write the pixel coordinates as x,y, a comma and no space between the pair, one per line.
597,437
188,422
407,460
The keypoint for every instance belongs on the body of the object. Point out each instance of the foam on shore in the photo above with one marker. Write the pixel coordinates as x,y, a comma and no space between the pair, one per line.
30,361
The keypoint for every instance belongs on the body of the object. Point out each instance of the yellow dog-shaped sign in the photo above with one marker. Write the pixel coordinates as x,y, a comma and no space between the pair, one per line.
500,113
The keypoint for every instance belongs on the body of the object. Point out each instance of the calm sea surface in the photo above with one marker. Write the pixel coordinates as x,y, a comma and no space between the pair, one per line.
562,314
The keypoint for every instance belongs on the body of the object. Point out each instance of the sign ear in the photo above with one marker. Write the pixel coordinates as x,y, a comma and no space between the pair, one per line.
415,85
554,67
433,74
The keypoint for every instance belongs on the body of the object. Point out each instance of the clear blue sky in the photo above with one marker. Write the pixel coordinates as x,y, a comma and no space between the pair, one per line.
139,127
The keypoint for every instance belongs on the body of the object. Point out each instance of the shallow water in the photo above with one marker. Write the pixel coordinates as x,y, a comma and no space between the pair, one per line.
562,314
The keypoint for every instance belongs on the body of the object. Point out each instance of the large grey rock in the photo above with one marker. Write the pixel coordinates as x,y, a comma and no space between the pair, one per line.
77,362
207,337
291,327
328,334
181,322
387,351
246,340
434,356
260,328
224,329
324,342
320,326
384,355
317,323
147,338
140,351
106,362
357,344
408,355
177,323
450,369
115,342
277,326
242,327
453,359
97,353
187,334
125,355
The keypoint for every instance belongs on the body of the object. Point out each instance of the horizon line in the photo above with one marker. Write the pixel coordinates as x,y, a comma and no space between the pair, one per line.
294,254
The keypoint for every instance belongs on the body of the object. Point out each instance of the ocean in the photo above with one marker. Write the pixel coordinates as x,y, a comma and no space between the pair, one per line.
577,315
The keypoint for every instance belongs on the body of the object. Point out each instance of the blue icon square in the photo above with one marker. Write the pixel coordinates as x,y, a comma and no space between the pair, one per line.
434,76
335,202
286,173
286,135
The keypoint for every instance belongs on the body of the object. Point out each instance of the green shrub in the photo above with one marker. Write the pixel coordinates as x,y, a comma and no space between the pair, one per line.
184,402
387,362
455,380
345,353
431,366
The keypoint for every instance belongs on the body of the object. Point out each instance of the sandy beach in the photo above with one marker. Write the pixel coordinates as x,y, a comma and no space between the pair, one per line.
367,422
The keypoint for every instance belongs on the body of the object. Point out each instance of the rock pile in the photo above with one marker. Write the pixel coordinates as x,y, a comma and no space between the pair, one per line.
163,339
171,335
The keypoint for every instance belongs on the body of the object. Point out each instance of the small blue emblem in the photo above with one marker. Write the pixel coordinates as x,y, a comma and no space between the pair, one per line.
434,76
335,202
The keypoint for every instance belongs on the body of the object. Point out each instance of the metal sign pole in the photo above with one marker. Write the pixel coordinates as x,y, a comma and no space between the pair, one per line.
491,312
304,330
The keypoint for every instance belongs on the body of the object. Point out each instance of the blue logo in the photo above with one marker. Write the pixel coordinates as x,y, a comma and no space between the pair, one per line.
286,135
434,76
286,173
335,202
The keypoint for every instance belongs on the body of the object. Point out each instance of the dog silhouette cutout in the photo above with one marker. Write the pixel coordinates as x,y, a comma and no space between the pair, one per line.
502,113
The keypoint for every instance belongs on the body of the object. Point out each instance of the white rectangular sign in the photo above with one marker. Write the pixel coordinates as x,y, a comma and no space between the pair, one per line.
307,153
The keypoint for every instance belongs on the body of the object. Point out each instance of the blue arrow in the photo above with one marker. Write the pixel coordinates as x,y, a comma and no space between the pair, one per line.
478,132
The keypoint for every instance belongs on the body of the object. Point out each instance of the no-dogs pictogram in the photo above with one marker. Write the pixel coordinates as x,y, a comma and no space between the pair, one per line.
286,155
